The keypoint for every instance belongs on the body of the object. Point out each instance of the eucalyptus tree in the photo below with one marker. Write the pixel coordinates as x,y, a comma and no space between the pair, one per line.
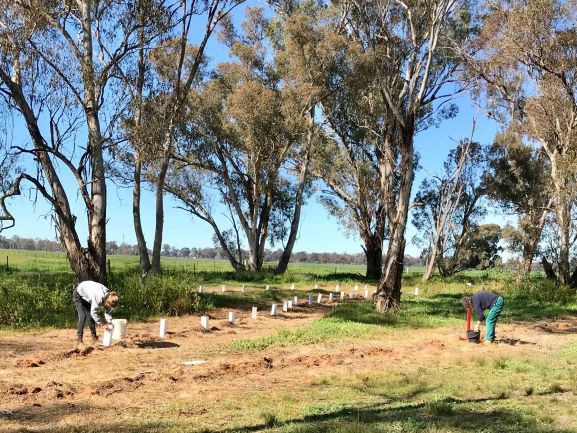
234,146
349,159
161,79
302,63
413,65
518,180
527,60
318,60
58,68
449,205
349,162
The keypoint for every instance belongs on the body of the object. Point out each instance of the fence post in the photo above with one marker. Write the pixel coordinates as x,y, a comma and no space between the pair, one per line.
6,263
108,263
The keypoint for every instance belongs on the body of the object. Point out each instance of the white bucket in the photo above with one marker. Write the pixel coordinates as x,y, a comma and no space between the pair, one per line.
119,330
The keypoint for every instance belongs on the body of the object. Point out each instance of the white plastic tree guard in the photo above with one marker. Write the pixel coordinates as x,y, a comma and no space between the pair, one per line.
204,322
107,337
163,325
253,313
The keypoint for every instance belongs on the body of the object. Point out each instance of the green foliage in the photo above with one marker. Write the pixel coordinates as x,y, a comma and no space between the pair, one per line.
540,290
36,300
36,292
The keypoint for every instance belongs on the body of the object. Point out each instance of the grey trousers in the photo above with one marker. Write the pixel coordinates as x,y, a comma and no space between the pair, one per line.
83,310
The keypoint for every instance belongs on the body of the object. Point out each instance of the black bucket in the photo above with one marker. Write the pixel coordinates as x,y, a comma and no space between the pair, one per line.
474,336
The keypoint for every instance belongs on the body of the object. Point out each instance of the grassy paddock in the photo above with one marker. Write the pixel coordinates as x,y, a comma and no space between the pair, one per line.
35,291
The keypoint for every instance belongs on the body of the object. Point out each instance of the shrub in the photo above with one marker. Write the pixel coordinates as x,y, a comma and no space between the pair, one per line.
539,289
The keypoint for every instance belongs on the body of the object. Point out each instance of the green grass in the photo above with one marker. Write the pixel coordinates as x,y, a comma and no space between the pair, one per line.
35,291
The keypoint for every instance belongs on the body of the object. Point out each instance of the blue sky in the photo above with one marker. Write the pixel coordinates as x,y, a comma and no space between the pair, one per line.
318,231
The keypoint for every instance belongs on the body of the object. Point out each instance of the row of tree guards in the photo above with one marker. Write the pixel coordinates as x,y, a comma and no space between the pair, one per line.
327,94
119,325
242,289
286,307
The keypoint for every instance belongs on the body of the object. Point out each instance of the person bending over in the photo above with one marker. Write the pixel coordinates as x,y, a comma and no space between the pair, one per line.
88,297
480,302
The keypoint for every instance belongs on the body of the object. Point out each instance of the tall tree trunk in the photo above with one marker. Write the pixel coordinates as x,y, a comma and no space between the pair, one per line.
388,295
237,266
529,250
548,268
303,177
97,214
430,266
373,249
564,247
97,208
136,195
83,266
137,144
159,214
530,246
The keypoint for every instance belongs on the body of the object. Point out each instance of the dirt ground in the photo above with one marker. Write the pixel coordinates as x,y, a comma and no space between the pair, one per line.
45,382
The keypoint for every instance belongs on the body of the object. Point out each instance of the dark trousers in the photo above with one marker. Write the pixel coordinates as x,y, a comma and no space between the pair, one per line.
83,309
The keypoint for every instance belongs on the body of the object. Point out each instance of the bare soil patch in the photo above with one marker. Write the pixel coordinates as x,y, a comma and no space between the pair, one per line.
43,377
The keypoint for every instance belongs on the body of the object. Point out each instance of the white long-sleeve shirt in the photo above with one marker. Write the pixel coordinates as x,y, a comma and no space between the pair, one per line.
94,292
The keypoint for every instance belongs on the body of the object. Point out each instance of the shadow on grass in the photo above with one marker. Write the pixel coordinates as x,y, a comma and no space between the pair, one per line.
452,415
447,415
